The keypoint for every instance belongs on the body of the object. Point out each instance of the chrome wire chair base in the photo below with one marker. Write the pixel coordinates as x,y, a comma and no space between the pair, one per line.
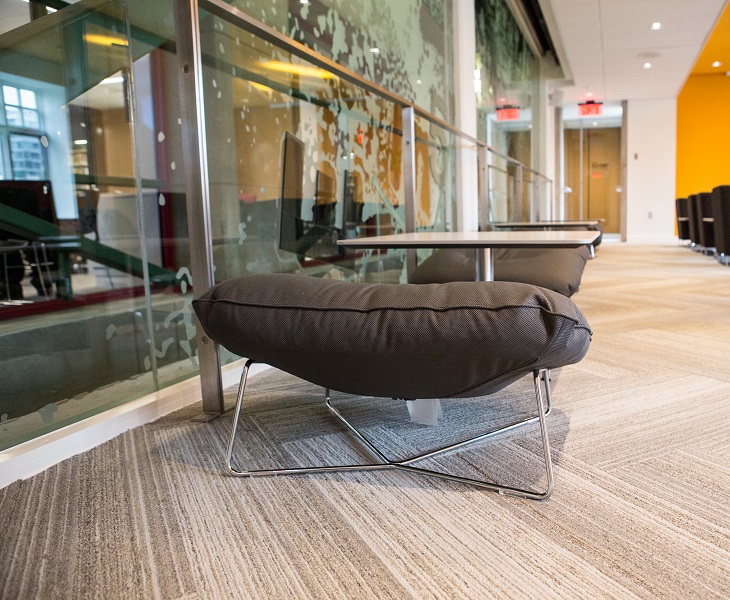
383,462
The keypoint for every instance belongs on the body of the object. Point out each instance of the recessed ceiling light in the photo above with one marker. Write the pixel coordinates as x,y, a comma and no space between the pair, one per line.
647,65
656,26
595,123
716,64
589,94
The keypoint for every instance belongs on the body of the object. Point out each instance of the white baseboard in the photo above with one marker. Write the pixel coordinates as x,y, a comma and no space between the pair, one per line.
36,455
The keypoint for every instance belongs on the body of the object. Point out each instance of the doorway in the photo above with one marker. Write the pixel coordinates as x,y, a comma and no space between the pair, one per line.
593,175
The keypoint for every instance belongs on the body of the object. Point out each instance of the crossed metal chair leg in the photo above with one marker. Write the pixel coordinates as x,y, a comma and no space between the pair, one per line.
383,462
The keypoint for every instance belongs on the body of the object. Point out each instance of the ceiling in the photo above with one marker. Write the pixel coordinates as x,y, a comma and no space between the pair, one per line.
717,49
603,45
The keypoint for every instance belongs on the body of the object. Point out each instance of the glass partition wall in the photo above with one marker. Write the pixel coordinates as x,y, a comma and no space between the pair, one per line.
515,191
297,158
95,294
302,152
148,182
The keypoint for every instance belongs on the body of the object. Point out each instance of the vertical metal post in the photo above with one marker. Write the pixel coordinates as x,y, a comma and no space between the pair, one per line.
533,197
557,192
195,159
520,192
483,182
484,265
587,176
582,171
549,204
409,178
624,161
130,96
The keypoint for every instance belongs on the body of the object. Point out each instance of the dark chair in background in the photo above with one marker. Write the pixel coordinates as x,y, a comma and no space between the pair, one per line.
694,220
682,207
706,222
721,215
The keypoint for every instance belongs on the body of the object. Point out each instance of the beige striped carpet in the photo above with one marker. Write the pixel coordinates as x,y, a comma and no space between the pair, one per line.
641,443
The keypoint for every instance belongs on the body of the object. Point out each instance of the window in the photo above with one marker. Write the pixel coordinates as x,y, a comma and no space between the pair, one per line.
22,142
21,107
27,157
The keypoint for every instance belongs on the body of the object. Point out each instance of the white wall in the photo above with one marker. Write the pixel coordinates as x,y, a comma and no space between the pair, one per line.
651,170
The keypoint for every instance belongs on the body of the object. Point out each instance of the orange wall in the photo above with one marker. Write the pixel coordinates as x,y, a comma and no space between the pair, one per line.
703,134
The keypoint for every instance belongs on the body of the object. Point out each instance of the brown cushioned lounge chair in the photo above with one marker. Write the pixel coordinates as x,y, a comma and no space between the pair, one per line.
453,340
557,269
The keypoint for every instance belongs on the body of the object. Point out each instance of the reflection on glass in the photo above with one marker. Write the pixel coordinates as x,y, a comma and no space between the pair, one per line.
13,115
90,201
315,158
508,77
436,188
30,119
27,99
369,38
27,157
10,96
499,188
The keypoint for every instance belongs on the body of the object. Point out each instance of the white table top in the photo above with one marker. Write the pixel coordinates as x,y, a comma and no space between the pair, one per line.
476,239
577,223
